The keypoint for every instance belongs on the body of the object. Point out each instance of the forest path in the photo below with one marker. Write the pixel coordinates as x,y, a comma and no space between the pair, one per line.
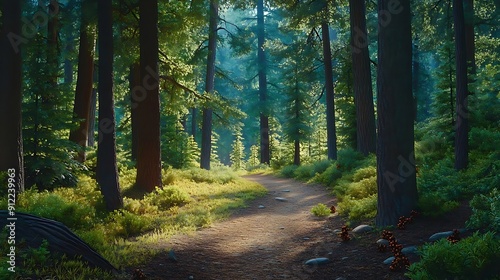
254,243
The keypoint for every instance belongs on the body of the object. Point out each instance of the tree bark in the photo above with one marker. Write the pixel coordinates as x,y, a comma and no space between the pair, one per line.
84,86
462,124
148,107
134,81
107,173
470,47
296,152
206,133
363,93
265,153
331,138
11,142
396,180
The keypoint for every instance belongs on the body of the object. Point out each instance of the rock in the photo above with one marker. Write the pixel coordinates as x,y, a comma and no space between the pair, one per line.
362,229
262,206
285,190
409,250
282,199
282,227
317,261
306,238
172,256
389,260
336,230
191,277
340,278
383,242
344,258
440,235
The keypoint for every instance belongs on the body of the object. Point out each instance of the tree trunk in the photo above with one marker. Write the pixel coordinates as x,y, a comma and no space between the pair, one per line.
92,117
11,142
148,107
462,124
396,180
296,152
206,133
363,93
331,134
134,81
265,154
470,47
84,86
107,173
194,126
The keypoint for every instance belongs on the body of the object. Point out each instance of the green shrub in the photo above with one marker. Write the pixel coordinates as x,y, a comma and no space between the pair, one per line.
363,188
348,159
435,204
485,211
168,197
320,210
74,214
358,209
125,224
329,176
289,171
364,173
475,257
304,172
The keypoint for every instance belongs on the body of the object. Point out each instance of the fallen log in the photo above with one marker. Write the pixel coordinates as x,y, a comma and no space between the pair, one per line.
33,230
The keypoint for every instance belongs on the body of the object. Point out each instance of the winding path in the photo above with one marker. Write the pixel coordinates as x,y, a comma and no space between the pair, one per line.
255,242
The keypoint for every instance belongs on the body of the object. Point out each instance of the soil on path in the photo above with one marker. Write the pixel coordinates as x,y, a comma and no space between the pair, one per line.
274,242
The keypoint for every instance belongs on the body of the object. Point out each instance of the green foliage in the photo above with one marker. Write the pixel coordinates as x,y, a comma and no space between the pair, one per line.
238,152
475,257
126,224
320,210
485,211
358,209
289,171
167,197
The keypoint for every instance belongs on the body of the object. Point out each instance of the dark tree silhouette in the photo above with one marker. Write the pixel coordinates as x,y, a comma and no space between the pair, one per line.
396,180
365,115
134,84
107,173
11,142
265,154
206,131
462,123
84,82
331,138
148,108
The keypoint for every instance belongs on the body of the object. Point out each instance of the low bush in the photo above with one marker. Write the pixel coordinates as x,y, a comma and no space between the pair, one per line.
475,257
167,197
289,171
320,210
485,212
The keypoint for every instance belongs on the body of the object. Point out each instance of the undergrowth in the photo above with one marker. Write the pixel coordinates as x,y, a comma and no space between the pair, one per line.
190,199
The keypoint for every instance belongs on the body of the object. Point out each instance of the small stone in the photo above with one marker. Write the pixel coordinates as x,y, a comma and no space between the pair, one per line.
389,260
285,190
336,230
262,206
340,278
172,256
440,235
191,277
282,227
409,250
383,242
317,261
362,229
345,258
306,238
282,199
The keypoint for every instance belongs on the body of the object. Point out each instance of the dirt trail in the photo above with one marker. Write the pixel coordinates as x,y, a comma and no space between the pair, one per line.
255,242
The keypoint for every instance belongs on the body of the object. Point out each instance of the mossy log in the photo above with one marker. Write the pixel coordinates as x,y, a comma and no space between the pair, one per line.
33,230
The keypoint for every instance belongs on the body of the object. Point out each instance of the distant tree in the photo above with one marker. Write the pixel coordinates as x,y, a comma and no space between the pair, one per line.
107,172
462,123
365,115
85,79
329,90
11,143
206,131
265,155
148,108
396,176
